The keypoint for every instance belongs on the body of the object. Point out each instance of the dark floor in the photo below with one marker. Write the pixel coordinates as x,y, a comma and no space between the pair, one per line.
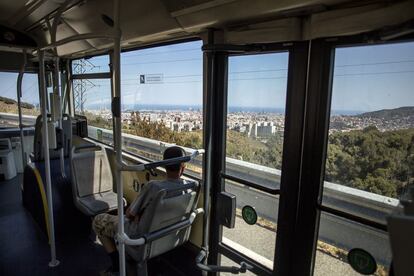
24,249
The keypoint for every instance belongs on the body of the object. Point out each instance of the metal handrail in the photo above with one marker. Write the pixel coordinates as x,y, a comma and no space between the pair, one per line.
141,167
74,38
201,257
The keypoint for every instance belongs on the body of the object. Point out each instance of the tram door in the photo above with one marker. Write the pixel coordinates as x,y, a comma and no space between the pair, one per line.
255,104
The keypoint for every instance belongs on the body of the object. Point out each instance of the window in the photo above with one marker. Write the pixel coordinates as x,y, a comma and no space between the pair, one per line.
372,119
255,116
92,97
8,96
257,87
162,99
370,156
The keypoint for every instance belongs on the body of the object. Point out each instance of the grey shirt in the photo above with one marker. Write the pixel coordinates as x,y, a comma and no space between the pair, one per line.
147,195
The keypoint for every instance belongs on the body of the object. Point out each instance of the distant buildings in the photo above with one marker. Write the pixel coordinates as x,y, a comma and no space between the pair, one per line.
254,125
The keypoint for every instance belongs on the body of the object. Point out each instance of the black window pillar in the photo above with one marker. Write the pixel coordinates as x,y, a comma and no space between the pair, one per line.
215,105
313,157
292,157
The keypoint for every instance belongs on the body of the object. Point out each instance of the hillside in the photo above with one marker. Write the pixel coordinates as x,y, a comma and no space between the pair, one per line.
8,105
389,114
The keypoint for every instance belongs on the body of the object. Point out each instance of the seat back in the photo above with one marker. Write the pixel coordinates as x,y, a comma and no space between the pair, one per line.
38,149
91,171
170,206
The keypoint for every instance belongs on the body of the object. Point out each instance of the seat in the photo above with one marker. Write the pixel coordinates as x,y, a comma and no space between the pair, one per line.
92,182
165,223
64,139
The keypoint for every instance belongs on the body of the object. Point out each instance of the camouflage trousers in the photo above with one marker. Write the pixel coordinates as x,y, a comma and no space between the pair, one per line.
105,225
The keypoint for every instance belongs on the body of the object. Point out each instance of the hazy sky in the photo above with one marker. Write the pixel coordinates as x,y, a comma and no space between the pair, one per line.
374,77
8,87
366,78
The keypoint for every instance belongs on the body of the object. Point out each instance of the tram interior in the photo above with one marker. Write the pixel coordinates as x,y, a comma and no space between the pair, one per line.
296,119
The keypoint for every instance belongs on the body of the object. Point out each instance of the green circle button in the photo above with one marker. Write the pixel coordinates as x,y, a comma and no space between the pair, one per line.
362,261
249,215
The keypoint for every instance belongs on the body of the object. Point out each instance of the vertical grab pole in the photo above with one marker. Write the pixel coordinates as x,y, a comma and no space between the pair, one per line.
69,89
56,92
116,113
53,262
19,96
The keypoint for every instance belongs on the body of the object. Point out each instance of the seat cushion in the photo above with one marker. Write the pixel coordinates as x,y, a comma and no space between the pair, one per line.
98,203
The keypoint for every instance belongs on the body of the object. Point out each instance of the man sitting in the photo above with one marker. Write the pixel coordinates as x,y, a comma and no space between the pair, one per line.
106,225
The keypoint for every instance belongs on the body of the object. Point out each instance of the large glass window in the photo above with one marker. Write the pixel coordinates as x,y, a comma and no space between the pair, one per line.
255,124
8,97
162,99
372,119
370,156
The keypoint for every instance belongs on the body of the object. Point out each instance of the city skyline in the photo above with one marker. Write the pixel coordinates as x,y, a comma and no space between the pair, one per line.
366,78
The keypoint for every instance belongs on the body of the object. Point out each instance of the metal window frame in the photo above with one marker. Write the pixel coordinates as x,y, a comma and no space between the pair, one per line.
215,108
298,55
370,39
292,157
312,173
246,50
318,98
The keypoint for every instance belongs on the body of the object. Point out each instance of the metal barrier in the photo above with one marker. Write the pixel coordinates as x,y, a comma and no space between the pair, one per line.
368,205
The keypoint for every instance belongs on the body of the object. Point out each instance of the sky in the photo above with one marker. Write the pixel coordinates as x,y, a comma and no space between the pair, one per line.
8,87
366,78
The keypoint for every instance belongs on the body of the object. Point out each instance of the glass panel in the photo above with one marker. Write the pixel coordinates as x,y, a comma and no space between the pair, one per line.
370,153
258,240
8,97
255,117
255,124
372,119
93,100
99,64
162,100
337,236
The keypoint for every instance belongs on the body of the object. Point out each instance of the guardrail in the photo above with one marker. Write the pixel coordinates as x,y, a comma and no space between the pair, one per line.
26,119
367,205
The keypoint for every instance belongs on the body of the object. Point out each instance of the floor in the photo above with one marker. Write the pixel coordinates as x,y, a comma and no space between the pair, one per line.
24,249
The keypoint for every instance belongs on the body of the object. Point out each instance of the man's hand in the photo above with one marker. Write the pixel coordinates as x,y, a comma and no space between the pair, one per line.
128,214
131,216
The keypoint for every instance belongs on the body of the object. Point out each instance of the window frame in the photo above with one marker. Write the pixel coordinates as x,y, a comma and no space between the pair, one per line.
251,50
314,159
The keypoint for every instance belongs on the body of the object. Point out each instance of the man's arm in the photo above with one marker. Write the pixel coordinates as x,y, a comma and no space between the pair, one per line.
132,211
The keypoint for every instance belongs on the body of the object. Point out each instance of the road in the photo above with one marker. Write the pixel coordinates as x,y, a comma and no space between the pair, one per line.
333,230
264,244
